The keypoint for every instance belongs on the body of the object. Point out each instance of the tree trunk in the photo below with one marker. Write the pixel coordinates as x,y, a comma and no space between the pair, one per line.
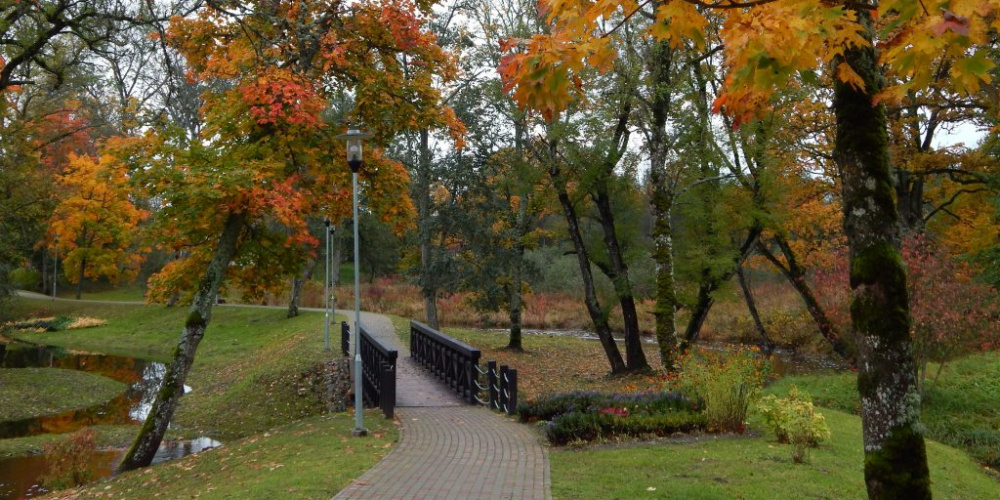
172,388
79,278
910,197
516,302
297,285
752,307
895,454
635,358
796,275
709,284
421,190
661,203
598,316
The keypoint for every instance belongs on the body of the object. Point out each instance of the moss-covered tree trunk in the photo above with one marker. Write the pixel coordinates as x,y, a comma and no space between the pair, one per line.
895,455
172,388
662,185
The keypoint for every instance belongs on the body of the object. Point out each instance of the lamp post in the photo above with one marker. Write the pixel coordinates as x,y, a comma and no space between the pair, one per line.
55,269
354,139
326,287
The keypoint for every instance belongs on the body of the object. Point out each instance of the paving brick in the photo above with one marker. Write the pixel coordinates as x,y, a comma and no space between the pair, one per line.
449,450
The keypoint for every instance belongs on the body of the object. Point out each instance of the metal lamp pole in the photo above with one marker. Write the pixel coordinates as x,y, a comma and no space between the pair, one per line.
55,270
354,138
326,287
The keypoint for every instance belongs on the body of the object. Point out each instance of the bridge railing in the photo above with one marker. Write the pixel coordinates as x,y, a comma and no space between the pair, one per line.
500,388
452,361
378,371
457,364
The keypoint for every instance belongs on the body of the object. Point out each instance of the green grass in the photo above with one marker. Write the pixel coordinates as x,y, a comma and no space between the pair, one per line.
960,410
310,459
34,392
107,436
743,467
254,369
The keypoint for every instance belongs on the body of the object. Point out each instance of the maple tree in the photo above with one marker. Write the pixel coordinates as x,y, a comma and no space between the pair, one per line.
239,196
93,225
765,45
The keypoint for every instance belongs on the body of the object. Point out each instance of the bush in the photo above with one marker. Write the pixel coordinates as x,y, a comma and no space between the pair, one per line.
615,422
728,384
649,402
588,415
25,278
794,420
68,460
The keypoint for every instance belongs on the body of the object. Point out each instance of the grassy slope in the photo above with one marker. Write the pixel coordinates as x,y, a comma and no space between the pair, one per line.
32,392
309,459
749,468
251,372
960,410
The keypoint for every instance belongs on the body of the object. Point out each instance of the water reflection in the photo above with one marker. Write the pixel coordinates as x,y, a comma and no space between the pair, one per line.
144,378
19,476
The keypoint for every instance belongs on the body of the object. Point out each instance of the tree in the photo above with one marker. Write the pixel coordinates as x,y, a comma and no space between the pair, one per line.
240,195
766,44
93,225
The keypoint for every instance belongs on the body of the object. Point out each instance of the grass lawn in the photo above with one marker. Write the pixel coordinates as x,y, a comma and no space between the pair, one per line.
33,392
313,458
741,467
254,369
960,410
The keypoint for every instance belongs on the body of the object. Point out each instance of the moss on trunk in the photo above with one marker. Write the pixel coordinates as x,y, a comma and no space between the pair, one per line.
896,462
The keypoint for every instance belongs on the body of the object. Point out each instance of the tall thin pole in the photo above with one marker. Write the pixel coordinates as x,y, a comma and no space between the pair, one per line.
55,273
326,288
359,428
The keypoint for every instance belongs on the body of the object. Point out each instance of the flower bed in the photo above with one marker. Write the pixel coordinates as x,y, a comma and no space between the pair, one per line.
588,416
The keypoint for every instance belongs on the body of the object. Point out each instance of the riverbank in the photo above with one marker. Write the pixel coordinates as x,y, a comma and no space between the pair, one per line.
255,369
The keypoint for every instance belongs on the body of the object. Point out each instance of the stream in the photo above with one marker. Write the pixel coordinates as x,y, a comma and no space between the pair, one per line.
19,475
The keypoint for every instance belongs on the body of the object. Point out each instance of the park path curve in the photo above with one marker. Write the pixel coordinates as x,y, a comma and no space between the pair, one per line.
449,450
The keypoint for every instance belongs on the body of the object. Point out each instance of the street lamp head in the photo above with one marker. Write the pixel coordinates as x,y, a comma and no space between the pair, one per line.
354,139
326,221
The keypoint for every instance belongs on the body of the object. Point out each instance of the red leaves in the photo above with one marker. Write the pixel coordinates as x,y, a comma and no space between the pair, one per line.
951,22
280,98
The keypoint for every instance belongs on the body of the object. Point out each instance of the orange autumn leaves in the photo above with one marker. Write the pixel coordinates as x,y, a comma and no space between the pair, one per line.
93,225
765,44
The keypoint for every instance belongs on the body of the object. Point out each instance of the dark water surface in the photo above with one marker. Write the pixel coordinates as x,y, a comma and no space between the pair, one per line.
19,475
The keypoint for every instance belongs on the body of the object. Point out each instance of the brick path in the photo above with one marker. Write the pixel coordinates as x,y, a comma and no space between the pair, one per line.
449,450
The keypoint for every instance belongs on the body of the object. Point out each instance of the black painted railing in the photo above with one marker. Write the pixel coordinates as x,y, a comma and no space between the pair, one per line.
345,338
378,373
500,388
452,361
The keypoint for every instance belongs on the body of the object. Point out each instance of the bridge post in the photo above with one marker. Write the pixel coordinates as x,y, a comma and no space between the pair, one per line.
491,379
512,392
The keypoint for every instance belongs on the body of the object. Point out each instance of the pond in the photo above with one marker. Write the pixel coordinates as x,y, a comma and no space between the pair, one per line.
19,475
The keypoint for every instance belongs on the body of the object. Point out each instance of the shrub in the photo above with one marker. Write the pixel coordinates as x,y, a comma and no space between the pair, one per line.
617,422
728,383
25,278
649,402
588,415
68,460
794,420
